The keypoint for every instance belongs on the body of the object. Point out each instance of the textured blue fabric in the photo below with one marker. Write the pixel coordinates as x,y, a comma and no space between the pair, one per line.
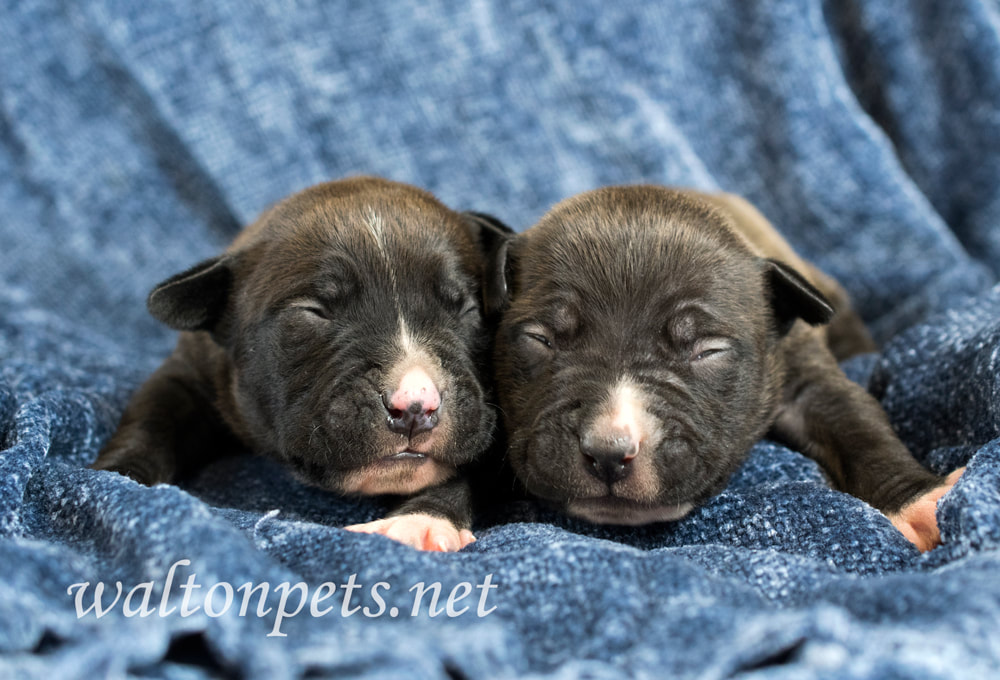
135,139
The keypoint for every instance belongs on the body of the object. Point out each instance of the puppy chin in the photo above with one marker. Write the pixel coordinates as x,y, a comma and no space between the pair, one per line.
395,476
621,511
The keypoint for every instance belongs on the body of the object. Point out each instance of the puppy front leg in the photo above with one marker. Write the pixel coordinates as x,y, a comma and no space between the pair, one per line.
438,518
167,429
840,425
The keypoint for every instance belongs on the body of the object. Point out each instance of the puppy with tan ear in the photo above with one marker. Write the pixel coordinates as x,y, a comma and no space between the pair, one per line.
342,334
649,337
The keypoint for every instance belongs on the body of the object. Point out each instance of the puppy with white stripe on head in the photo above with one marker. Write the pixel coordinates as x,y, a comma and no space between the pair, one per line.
650,336
341,333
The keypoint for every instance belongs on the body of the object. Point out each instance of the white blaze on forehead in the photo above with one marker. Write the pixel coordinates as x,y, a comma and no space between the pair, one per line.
406,342
377,231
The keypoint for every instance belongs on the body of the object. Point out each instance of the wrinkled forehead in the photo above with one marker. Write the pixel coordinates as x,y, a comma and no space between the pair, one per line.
612,264
373,225
325,246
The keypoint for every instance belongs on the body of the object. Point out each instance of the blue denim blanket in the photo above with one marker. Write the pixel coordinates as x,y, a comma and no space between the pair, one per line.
136,138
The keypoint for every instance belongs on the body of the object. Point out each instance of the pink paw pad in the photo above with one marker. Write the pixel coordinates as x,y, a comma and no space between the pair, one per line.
420,531
917,520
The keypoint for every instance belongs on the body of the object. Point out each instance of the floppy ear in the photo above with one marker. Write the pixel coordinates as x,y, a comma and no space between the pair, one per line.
792,297
194,299
493,237
487,231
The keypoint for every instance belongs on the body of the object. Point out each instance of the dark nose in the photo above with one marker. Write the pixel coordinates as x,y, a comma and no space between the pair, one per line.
608,457
416,417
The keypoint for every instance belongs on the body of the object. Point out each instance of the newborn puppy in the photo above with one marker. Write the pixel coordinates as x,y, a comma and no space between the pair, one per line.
649,337
341,334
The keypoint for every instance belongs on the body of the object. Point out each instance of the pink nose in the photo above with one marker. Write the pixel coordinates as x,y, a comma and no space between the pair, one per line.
413,407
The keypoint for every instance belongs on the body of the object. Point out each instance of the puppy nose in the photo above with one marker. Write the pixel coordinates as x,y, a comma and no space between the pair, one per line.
608,456
413,406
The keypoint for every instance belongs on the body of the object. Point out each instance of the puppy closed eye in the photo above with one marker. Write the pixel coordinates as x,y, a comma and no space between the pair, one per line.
313,308
710,349
541,339
464,310
456,295
536,338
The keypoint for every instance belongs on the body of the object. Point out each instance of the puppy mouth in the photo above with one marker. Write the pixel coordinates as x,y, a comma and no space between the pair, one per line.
612,509
415,450
406,455
401,472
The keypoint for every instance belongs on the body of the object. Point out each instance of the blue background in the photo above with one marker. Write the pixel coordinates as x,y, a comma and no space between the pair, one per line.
136,139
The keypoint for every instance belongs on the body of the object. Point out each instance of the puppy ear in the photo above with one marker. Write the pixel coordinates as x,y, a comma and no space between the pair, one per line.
194,299
793,297
493,237
486,230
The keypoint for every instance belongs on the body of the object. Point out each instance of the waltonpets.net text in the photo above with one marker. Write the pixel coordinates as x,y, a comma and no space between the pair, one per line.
293,599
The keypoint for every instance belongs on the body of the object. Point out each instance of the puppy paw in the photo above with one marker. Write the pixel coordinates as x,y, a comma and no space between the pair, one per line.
420,531
918,519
